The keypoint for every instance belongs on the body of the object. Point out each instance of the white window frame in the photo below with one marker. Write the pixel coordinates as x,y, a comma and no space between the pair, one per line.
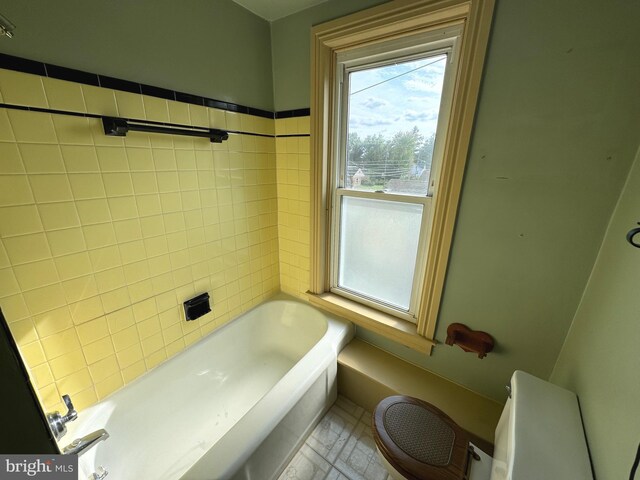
398,19
408,48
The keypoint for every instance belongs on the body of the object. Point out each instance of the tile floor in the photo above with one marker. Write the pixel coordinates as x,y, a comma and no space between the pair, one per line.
339,448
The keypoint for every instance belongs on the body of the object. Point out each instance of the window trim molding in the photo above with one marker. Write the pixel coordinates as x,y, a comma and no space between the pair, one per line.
392,20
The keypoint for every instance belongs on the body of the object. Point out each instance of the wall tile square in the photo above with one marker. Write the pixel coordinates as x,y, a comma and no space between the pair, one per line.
171,202
105,258
93,211
145,309
132,252
57,216
168,182
72,266
117,184
144,182
44,299
148,205
140,159
23,331
164,160
155,359
60,343
86,310
36,274
22,89
53,321
80,158
111,279
185,160
152,226
93,330
33,354
112,159
6,131
14,307
129,355
100,235
64,242
27,248
75,382
140,291
130,105
152,344
127,230
87,185
80,288
125,338
160,264
104,368
120,319
155,108
132,372
123,207
199,116
63,95
19,220
67,364
41,375
14,190
98,350
179,112
41,158
100,100
109,385
72,130
11,158
115,300
50,188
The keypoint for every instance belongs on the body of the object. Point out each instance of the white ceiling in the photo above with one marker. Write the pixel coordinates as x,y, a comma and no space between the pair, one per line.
274,9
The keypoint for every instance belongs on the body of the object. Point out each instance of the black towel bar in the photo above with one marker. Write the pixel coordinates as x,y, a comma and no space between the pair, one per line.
119,127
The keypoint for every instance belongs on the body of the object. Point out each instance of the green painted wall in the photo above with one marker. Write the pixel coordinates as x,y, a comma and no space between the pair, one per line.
600,358
555,135
291,45
213,48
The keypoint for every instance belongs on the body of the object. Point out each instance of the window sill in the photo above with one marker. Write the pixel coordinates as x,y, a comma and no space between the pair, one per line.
381,323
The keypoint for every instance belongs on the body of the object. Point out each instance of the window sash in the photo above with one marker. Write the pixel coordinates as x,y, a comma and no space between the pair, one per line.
403,51
420,262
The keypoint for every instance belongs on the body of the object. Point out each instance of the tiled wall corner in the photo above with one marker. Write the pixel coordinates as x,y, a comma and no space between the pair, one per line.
293,168
102,238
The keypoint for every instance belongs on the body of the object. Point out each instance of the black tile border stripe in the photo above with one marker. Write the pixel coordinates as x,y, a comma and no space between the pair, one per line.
300,112
25,65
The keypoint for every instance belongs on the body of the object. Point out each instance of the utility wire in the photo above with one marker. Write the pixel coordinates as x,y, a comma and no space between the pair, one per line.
397,76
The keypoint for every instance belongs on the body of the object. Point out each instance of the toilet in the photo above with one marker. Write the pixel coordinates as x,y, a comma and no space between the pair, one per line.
539,436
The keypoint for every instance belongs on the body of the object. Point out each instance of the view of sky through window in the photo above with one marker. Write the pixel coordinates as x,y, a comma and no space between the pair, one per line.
393,116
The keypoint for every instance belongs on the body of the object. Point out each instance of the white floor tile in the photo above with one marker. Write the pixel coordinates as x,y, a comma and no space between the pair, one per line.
339,448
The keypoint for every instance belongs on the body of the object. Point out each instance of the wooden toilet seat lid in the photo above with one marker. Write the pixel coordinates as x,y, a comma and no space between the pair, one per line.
419,440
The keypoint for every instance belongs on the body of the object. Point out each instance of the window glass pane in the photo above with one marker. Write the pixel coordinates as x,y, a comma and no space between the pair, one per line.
378,248
391,129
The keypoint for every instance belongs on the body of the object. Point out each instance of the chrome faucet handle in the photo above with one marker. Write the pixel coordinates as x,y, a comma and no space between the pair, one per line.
71,411
57,421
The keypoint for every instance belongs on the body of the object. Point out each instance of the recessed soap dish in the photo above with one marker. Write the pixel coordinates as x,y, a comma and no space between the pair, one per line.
196,307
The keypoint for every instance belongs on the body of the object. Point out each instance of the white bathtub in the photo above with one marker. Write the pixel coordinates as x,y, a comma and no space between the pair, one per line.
235,405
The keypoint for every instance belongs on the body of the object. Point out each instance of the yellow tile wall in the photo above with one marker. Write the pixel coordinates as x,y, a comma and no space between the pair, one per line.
103,238
294,194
